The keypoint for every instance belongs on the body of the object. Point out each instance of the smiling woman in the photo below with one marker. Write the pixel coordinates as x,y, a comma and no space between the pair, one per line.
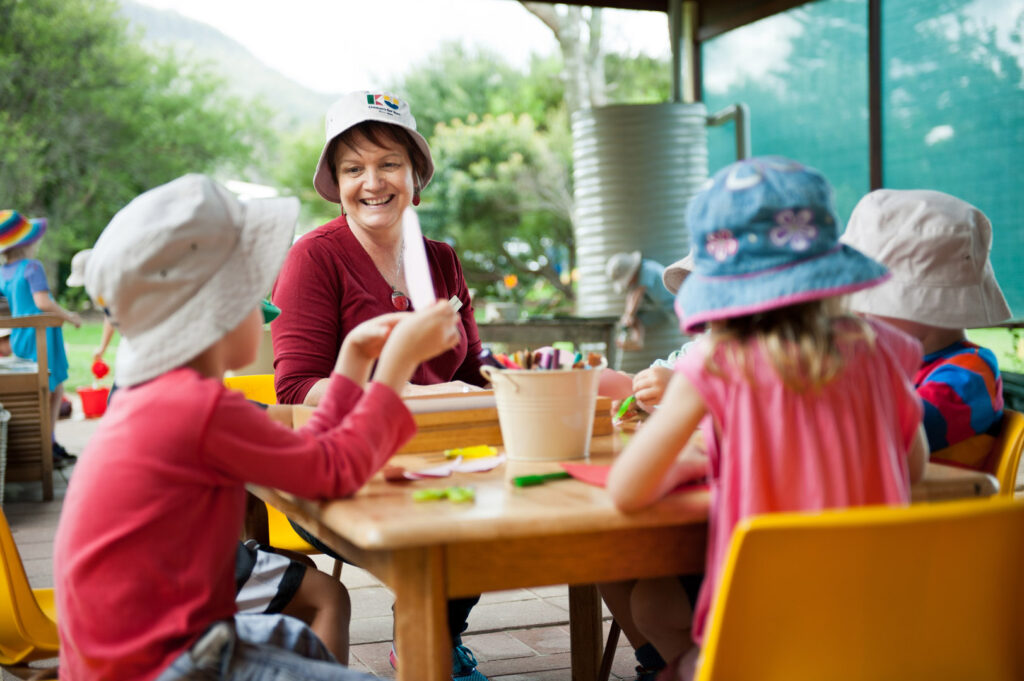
374,164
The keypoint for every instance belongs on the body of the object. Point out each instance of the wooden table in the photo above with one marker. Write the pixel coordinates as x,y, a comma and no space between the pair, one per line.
561,532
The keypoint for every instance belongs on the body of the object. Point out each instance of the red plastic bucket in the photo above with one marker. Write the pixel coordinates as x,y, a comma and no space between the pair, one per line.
94,401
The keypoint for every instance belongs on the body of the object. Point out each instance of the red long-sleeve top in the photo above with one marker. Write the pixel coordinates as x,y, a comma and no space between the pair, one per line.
329,285
145,549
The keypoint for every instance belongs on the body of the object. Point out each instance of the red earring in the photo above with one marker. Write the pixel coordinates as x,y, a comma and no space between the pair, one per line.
416,199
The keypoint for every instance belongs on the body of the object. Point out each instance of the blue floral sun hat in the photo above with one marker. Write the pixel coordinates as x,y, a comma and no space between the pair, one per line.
765,235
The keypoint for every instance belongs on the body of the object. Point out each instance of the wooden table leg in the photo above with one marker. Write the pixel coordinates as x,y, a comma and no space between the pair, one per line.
585,631
421,616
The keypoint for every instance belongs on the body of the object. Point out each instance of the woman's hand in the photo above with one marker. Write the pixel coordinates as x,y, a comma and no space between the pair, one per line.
649,386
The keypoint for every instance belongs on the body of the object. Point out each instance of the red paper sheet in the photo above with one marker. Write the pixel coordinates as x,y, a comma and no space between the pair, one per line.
596,474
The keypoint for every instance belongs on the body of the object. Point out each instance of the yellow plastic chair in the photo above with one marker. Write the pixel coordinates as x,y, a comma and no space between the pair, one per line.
280,533
28,617
933,591
256,387
1004,462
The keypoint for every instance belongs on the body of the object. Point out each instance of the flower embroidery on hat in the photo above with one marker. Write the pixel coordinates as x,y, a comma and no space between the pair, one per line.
721,245
795,228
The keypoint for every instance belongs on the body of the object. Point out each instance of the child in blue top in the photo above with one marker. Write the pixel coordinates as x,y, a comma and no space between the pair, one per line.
23,283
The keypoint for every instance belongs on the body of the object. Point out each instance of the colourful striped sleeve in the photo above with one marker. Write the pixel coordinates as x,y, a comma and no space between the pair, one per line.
962,396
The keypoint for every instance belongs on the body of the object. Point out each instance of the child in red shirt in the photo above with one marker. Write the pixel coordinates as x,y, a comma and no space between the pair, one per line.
145,549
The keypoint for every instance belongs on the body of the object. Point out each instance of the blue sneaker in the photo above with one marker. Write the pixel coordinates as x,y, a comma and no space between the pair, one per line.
464,665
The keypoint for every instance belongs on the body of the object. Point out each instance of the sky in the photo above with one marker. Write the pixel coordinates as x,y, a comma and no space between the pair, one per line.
340,45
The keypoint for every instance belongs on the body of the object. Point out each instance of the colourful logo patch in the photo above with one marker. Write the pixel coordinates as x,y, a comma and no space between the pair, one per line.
383,100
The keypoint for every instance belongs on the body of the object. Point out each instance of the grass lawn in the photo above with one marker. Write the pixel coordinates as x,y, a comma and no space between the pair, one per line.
1007,344
82,342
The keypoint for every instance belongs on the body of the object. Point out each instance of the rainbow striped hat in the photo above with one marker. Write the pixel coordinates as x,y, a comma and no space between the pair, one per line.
17,230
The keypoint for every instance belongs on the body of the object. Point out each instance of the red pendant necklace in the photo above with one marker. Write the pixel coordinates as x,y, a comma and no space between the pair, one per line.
399,300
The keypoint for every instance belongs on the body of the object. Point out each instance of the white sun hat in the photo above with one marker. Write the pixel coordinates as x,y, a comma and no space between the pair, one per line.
937,248
77,276
621,268
355,108
181,266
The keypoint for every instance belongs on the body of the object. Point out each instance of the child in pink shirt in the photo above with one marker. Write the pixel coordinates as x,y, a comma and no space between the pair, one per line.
805,407
145,549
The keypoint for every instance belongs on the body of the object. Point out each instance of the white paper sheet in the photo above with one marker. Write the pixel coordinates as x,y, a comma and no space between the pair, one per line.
417,271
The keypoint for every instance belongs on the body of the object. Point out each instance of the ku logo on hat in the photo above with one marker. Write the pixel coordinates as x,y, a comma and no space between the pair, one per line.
383,100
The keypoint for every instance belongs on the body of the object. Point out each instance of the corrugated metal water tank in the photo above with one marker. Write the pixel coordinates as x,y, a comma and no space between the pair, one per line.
635,168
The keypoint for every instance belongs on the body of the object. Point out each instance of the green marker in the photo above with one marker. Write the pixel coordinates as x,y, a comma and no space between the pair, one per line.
624,407
528,480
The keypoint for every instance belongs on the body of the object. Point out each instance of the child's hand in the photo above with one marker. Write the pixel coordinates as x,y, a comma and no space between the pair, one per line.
74,319
367,339
417,337
427,333
363,344
649,386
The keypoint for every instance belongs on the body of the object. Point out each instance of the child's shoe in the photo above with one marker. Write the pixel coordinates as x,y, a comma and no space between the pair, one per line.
61,457
463,664
645,674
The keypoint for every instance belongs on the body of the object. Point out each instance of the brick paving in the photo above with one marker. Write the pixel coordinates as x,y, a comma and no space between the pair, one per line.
516,635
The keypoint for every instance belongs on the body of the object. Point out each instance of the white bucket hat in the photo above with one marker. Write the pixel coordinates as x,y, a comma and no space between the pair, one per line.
676,273
937,248
77,276
621,268
355,108
181,266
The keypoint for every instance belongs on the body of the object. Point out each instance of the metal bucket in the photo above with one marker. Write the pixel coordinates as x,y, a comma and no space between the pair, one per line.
545,415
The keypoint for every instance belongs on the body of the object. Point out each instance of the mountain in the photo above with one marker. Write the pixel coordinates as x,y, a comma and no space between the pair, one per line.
246,75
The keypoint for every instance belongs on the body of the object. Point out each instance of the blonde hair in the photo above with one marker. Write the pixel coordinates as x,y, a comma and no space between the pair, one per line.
801,342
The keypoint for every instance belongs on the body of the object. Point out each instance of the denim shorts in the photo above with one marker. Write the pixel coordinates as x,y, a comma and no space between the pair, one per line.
258,647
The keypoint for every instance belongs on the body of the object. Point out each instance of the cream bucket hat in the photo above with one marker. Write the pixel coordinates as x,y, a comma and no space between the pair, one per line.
181,266
78,261
621,268
355,108
676,273
937,248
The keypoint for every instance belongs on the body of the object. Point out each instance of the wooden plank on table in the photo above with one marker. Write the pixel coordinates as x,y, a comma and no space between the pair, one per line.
463,427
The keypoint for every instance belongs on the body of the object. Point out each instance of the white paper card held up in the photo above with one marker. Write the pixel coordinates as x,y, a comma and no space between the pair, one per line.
417,271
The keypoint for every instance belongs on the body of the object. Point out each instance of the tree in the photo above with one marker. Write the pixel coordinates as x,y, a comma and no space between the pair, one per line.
578,31
89,120
505,201
454,82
